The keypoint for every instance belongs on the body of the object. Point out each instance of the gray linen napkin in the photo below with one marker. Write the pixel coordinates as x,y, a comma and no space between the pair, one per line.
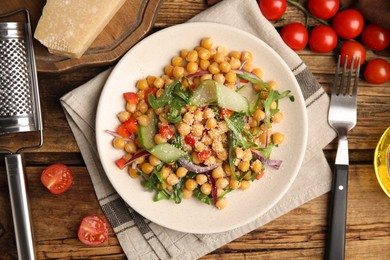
143,239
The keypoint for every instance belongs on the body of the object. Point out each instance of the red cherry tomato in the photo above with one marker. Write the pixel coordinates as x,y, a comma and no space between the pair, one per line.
377,71
323,39
127,128
93,231
190,140
57,178
202,156
348,24
323,9
165,131
375,37
295,36
272,9
131,97
352,49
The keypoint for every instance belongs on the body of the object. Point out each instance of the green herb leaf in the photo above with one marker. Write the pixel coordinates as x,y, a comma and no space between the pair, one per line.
236,126
253,80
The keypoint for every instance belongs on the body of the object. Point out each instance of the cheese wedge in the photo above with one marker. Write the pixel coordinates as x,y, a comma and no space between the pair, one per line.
68,27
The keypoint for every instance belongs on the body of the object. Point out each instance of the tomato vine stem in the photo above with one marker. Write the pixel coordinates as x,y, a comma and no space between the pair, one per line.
306,12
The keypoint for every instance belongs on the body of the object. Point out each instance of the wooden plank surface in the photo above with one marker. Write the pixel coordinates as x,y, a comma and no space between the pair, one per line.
298,234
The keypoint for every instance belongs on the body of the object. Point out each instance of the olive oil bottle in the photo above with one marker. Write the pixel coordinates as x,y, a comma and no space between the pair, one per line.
382,161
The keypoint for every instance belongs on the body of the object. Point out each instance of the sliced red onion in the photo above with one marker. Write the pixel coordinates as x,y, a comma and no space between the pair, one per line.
198,73
115,134
273,163
136,156
214,191
266,130
196,168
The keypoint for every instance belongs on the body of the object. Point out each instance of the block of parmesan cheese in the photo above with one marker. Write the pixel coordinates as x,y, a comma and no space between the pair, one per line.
68,27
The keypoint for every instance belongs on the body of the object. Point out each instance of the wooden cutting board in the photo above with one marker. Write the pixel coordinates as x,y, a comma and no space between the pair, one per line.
130,24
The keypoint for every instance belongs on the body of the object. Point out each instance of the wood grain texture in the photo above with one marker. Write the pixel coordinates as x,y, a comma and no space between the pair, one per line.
299,234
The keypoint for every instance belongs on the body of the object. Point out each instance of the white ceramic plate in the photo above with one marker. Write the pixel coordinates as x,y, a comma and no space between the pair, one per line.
149,58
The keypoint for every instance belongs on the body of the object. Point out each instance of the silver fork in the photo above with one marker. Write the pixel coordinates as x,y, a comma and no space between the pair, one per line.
342,117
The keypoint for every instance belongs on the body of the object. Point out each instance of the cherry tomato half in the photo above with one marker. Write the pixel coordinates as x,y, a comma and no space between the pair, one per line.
323,9
93,231
348,24
375,37
323,39
272,9
352,49
377,71
57,178
295,36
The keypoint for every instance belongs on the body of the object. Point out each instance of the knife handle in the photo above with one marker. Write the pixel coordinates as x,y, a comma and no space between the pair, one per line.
335,246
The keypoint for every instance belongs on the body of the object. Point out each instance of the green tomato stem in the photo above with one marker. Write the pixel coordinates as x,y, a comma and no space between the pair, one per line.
307,13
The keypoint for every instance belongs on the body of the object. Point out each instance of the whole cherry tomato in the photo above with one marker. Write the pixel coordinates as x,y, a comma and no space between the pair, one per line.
377,71
272,9
375,37
295,36
323,39
323,9
93,231
57,178
348,24
351,49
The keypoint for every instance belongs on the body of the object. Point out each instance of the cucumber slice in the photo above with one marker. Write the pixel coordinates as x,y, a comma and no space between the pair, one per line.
146,133
210,91
167,152
230,99
251,95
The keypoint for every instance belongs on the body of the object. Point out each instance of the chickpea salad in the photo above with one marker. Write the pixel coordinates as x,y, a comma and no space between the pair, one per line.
201,129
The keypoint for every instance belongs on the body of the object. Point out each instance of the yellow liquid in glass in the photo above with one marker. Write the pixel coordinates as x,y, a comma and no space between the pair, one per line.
382,162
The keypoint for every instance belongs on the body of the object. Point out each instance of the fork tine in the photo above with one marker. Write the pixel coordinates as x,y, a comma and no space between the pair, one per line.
347,92
355,84
341,90
335,85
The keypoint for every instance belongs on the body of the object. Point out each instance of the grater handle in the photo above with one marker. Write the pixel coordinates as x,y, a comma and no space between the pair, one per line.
19,204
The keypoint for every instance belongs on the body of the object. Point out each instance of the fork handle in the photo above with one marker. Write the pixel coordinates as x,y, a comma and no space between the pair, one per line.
335,246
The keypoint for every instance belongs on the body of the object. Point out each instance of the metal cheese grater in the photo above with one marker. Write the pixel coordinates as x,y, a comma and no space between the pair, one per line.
19,112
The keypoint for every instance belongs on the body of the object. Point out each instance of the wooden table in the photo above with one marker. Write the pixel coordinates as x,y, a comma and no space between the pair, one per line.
298,234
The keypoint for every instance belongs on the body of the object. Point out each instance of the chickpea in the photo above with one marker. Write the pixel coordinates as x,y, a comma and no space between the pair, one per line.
246,56
259,115
158,82
183,128
211,123
172,179
142,84
234,184
192,67
184,53
235,54
222,155
143,106
231,77
150,79
205,77
221,183
220,78
133,173
258,72
273,85
204,54
190,184
278,117
147,168
192,56
219,57
208,113
205,188
278,138
168,70
158,139
207,43
123,116
197,129
214,68
165,172
178,72
245,184
187,193
119,143
234,63
130,147
243,166
239,152
188,118
248,67
204,64
181,172
257,166
221,203
201,178
195,158
210,160
153,160
177,61
218,172
200,147
143,120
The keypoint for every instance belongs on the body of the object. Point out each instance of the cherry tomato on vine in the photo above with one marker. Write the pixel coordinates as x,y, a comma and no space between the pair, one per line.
348,24
375,37
323,9
377,71
57,178
272,9
351,49
323,39
92,231
295,36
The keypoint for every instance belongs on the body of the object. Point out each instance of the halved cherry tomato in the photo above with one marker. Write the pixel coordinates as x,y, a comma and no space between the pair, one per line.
127,128
147,92
202,156
348,24
375,37
377,71
295,36
165,131
92,231
190,140
121,163
131,97
323,9
272,9
352,49
323,39
57,178
226,113
260,175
